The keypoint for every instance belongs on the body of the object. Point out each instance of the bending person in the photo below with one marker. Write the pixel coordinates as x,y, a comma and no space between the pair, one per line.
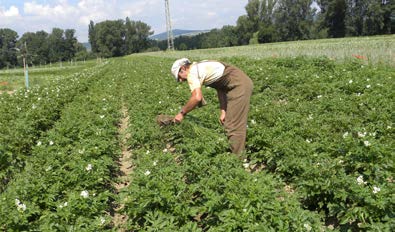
234,90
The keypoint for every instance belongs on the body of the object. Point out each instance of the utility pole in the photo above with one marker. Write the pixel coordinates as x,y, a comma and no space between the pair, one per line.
170,38
26,67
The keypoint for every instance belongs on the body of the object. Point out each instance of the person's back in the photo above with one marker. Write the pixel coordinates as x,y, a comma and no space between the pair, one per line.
234,89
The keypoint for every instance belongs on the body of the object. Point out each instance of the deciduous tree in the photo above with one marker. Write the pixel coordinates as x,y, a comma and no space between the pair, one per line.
8,54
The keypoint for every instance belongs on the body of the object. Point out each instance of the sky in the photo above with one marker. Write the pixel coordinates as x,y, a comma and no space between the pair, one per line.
36,15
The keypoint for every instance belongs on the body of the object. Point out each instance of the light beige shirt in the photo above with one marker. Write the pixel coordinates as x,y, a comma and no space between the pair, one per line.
204,73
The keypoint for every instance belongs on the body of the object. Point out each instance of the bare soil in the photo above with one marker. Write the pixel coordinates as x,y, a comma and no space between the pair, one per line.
7,91
126,168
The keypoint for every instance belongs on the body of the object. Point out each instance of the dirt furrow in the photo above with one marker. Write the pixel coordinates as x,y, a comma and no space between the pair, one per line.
126,167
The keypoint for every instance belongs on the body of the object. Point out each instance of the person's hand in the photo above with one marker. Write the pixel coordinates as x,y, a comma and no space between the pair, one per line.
222,117
178,118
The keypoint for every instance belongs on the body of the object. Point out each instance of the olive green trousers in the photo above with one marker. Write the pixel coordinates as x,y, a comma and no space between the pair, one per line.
238,88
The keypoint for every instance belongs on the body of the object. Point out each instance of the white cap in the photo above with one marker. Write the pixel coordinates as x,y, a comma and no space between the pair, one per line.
177,65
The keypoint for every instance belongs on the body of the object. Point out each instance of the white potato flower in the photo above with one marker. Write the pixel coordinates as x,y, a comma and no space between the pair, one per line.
246,164
360,180
84,194
307,227
19,205
102,220
345,135
63,205
376,189
361,134
88,167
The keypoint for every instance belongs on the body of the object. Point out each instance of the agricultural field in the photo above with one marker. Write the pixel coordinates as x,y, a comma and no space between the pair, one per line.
12,79
369,50
81,150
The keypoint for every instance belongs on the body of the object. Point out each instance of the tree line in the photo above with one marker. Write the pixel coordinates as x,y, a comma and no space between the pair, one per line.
265,21
39,47
113,38
109,38
287,20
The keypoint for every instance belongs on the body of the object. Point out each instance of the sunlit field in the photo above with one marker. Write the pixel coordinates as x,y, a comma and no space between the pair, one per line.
80,150
370,50
375,50
12,79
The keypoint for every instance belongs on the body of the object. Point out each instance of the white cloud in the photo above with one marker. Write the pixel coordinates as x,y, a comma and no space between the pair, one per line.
36,9
211,14
60,10
9,17
76,14
95,10
13,11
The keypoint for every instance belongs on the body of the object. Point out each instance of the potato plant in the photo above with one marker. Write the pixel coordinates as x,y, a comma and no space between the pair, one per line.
66,180
26,114
319,153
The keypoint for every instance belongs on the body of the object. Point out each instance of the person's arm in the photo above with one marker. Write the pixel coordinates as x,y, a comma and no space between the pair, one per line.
194,100
222,105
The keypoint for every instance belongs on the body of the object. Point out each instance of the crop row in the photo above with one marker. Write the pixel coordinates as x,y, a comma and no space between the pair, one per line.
26,114
319,153
184,179
66,182
319,130
327,130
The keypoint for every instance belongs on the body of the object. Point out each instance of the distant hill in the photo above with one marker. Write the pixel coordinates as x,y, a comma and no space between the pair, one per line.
178,32
163,36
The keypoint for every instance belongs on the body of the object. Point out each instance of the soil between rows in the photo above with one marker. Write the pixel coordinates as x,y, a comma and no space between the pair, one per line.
126,168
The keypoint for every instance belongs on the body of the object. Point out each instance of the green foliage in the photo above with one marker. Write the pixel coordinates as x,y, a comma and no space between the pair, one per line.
8,39
267,34
41,48
293,19
190,177
28,113
322,126
112,38
319,151
368,17
269,21
65,183
245,30
333,14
